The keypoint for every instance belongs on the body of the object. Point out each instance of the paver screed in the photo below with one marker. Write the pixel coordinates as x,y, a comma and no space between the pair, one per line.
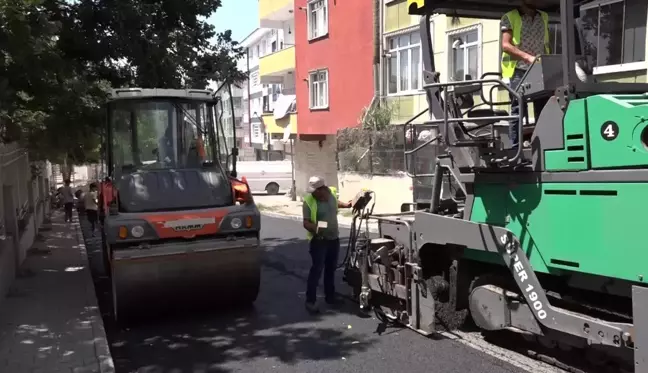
50,321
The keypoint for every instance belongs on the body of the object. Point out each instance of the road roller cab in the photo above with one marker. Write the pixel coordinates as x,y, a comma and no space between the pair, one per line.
177,224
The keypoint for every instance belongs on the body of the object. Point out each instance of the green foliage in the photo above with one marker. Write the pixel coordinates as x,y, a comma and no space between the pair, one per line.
59,58
377,116
376,147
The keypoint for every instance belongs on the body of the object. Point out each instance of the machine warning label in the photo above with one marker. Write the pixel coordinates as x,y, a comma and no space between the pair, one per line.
609,130
530,293
184,225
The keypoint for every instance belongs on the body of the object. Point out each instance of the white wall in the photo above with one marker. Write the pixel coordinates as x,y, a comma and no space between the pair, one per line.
391,191
288,32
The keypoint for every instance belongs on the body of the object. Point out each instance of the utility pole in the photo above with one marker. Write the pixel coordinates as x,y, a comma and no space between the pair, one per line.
293,188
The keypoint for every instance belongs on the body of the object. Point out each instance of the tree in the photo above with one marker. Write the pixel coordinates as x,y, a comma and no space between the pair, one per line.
59,58
150,43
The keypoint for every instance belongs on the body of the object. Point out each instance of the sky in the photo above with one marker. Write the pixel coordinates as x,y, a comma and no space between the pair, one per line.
240,16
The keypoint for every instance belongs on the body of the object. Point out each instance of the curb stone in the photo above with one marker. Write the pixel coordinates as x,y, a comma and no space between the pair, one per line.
102,351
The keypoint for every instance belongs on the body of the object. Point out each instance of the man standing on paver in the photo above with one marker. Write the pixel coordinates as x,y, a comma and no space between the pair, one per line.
320,220
525,35
68,200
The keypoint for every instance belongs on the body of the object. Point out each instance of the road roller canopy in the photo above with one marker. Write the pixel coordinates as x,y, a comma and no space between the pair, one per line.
167,129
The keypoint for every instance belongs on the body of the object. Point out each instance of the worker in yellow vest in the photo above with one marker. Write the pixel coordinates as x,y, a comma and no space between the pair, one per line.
525,35
320,221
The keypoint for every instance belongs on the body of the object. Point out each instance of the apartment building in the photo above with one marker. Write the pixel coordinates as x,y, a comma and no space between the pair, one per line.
236,120
277,72
614,34
261,95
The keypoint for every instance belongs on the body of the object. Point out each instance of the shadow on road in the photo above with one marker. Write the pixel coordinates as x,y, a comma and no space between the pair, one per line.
222,342
276,331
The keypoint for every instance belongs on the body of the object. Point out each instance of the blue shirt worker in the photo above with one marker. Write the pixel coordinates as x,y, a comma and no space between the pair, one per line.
320,221
525,35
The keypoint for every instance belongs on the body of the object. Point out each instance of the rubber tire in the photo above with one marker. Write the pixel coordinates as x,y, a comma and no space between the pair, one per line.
272,189
249,289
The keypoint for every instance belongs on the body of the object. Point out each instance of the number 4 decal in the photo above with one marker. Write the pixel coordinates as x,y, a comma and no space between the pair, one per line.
609,131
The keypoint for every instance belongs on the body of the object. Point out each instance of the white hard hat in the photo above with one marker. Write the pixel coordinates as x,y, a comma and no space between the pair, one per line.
315,182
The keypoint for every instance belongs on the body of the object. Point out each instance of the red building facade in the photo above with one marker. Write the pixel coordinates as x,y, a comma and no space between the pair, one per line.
334,52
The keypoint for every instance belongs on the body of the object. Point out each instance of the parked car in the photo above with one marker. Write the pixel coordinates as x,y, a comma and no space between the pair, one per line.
272,177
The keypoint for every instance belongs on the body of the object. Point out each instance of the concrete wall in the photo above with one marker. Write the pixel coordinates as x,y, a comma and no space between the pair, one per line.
311,159
7,267
23,207
391,191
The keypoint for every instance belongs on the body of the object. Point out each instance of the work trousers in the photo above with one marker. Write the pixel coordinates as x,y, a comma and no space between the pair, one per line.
324,254
68,211
92,218
538,105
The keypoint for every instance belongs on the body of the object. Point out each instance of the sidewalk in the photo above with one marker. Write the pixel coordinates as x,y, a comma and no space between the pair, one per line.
282,206
50,321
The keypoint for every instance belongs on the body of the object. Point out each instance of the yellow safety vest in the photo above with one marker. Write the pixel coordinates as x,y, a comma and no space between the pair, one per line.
311,202
508,63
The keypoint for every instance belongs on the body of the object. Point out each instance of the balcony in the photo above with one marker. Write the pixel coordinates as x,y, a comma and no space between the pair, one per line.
274,67
273,12
279,126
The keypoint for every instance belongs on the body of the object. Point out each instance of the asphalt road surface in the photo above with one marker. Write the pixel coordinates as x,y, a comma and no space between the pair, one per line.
277,334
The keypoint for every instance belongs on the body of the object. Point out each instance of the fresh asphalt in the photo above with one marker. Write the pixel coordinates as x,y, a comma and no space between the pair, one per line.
277,334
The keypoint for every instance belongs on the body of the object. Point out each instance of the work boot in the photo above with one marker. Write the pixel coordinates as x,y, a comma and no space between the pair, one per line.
312,308
334,301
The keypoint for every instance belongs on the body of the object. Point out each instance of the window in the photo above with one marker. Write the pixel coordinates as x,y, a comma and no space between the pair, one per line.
237,102
266,104
318,81
465,54
404,68
258,51
614,31
256,129
276,91
317,19
254,77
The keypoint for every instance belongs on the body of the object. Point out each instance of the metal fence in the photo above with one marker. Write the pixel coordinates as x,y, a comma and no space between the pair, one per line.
383,152
371,152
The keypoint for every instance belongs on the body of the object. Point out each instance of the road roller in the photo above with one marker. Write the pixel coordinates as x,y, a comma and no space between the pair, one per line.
541,242
178,227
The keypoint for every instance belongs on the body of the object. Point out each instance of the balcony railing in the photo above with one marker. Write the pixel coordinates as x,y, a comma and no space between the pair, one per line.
279,126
